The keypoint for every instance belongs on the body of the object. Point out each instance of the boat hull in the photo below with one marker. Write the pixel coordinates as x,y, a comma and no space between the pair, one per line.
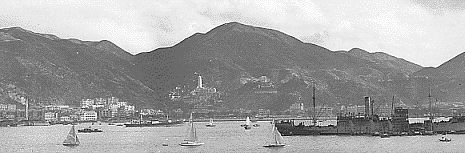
274,145
444,140
210,125
457,124
82,131
154,125
191,144
67,144
247,127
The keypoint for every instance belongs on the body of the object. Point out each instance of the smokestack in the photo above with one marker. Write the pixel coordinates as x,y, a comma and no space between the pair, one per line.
200,82
367,106
27,109
372,110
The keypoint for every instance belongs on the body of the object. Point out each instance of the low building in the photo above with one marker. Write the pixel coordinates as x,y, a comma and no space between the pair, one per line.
65,118
88,116
51,116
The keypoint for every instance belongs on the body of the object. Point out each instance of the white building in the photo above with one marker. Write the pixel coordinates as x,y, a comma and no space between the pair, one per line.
85,103
88,116
3,107
65,118
122,103
51,116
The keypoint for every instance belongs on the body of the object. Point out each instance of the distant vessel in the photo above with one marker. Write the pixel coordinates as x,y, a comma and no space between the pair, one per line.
276,140
153,123
210,124
247,125
444,139
384,135
37,123
192,139
89,130
72,138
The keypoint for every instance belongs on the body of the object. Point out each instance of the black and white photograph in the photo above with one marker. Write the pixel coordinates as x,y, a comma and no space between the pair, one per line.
232,76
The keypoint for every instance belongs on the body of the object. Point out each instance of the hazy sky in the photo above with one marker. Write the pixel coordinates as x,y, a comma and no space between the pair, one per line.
426,32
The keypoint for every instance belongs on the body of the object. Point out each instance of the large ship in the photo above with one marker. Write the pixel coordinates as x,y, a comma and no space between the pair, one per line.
290,128
368,124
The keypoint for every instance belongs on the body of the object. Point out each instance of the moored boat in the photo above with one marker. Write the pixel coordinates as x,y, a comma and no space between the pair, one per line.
210,124
384,135
247,125
153,123
89,130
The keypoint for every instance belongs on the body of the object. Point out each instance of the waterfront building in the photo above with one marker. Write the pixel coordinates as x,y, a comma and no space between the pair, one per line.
384,110
51,116
100,101
65,118
263,112
88,115
326,112
178,111
351,110
11,107
361,110
3,107
85,103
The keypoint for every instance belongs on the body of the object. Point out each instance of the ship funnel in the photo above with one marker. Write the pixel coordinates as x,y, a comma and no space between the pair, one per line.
372,104
367,106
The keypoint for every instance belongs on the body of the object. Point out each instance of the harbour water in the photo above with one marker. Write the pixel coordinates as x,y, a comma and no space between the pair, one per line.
225,137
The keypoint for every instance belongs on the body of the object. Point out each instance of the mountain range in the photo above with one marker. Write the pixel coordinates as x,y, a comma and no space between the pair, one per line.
64,71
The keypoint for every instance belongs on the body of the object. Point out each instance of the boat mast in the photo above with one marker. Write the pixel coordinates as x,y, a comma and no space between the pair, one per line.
392,107
314,106
140,121
274,134
429,99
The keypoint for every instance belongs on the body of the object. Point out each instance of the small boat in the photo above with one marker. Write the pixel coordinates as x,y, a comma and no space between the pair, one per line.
384,135
192,139
211,123
444,139
428,133
247,125
72,138
404,134
89,130
276,139
256,125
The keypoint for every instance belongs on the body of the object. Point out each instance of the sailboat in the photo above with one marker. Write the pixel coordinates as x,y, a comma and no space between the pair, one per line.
276,140
247,124
191,139
211,123
72,138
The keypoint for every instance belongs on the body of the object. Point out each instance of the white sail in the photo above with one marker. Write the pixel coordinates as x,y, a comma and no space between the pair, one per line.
247,121
278,137
191,131
211,121
275,136
71,138
191,139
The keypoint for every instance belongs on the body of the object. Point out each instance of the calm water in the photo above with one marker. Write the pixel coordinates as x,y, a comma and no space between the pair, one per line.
225,137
